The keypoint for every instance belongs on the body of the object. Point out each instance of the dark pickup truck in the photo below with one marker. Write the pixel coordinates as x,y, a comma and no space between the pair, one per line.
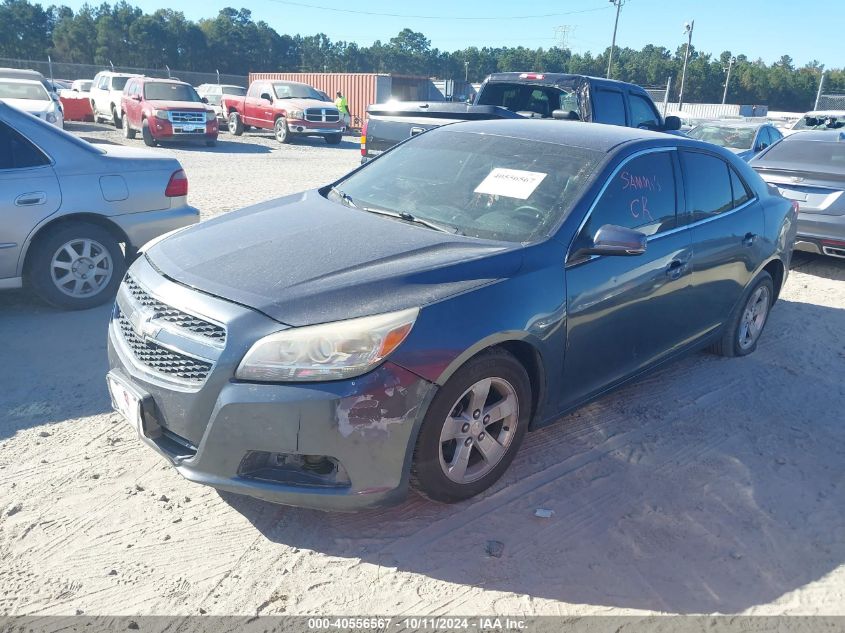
518,95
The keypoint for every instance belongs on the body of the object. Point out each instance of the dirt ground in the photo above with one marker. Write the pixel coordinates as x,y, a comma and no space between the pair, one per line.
711,486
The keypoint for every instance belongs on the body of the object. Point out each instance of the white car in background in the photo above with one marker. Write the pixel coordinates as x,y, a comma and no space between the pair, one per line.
82,86
106,96
32,97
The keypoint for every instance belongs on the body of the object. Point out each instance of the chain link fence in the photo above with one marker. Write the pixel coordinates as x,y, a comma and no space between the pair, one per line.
65,70
831,101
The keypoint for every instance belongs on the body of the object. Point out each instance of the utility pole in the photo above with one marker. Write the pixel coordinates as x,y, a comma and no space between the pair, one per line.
466,72
618,4
688,27
731,62
819,92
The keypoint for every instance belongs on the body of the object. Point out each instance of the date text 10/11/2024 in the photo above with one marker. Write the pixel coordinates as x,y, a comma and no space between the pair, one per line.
416,624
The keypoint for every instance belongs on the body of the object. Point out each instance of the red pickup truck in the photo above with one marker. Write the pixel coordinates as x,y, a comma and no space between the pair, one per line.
288,108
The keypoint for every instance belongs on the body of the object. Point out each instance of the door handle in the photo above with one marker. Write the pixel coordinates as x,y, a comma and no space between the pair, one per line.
749,238
675,269
31,199
417,130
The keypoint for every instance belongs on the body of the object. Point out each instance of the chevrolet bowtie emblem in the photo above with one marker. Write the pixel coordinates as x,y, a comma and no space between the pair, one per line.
142,324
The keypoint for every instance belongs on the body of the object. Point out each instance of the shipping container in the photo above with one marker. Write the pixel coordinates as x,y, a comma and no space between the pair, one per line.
360,89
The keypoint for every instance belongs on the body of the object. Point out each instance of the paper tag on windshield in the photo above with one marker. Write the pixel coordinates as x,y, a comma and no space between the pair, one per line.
513,183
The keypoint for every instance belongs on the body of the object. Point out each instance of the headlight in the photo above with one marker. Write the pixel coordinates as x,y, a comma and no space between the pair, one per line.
160,114
330,351
210,115
296,114
51,118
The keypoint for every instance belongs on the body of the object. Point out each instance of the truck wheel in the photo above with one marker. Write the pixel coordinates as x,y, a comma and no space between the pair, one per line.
128,132
76,267
116,118
147,135
473,428
280,129
236,125
334,139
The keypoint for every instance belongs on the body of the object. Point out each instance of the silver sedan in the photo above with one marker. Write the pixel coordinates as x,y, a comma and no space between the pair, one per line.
72,213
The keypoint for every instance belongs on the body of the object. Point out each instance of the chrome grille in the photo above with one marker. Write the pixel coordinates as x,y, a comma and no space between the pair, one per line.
161,359
322,115
187,117
183,320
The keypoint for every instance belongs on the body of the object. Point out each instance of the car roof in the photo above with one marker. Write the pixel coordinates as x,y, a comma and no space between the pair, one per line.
20,73
554,78
824,136
159,80
595,136
736,124
19,80
825,113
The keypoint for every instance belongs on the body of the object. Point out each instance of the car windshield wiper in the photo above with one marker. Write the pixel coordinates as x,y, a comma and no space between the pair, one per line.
344,197
407,217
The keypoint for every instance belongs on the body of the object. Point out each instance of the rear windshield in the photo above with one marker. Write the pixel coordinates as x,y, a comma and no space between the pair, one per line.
30,92
234,90
295,91
540,100
154,91
479,185
819,153
117,83
820,122
733,137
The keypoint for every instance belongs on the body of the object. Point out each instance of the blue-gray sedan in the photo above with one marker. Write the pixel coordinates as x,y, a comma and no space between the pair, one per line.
411,321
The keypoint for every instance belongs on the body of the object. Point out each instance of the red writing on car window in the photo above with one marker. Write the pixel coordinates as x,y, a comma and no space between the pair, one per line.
637,182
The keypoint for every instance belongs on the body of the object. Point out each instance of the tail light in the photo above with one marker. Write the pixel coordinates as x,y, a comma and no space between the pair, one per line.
177,185
532,76
795,208
364,138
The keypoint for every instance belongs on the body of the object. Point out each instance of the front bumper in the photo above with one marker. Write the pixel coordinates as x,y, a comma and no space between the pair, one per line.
141,227
367,424
821,233
166,131
300,126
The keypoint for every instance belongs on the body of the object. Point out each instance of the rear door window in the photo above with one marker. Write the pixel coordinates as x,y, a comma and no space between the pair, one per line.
741,193
609,107
16,152
707,185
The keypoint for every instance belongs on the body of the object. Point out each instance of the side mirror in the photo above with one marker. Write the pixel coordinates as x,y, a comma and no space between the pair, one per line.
135,97
205,99
266,96
671,123
618,240
565,115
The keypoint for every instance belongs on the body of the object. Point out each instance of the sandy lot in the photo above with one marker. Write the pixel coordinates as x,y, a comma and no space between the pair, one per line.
712,486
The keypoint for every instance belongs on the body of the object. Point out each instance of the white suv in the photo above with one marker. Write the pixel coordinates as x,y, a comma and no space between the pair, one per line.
106,93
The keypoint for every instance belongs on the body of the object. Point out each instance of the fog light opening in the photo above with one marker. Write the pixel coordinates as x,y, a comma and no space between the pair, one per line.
291,469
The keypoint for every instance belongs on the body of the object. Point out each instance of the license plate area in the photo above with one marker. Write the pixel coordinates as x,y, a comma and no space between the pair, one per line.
136,407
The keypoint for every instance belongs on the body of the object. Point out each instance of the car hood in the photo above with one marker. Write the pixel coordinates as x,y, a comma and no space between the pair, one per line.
30,105
303,260
186,106
302,104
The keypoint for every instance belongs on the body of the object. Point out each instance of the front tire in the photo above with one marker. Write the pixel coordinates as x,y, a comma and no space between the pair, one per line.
77,266
147,134
334,139
745,325
280,131
128,132
473,428
236,125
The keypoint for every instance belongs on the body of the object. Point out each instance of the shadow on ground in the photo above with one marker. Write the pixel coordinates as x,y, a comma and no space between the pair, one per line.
64,356
713,485
819,265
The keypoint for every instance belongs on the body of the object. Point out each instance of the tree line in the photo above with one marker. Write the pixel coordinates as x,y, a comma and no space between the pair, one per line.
232,42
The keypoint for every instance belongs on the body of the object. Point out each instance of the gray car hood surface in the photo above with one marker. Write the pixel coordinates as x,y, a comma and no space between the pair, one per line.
303,260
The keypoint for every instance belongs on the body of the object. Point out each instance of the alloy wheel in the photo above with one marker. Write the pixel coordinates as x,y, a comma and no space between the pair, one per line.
754,317
81,268
479,429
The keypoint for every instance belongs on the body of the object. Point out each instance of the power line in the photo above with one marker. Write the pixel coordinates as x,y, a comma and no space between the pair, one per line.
436,17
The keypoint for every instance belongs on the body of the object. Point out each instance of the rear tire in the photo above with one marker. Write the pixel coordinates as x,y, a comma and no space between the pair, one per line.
116,120
745,326
473,428
334,139
128,132
146,134
60,258
236,125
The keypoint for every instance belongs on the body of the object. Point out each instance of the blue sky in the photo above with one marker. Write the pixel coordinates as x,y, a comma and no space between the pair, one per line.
757,28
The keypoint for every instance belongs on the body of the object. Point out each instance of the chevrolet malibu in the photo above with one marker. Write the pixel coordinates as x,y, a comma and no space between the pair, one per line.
409,323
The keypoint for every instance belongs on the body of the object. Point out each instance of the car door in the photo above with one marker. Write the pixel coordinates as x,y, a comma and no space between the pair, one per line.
131,107
625,312
29,193
101,98
608,106
728,232
642,113
255,106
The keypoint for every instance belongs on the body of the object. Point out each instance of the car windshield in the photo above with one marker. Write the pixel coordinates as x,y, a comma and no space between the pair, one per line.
16,90
733,137
820,122
234,90
479,185
165,91
828,156
295,91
